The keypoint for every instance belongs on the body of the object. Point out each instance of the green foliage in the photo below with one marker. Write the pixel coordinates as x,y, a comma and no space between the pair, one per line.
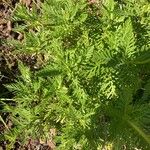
98,60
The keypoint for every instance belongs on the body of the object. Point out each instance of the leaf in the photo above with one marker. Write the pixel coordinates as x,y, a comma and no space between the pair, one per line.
128,39
89,53
143,59
83,17
49,71
25,72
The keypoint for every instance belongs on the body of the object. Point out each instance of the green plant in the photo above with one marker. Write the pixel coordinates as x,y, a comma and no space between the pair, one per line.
94,88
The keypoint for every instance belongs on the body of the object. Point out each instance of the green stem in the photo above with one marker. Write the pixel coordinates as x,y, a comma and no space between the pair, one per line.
141,133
